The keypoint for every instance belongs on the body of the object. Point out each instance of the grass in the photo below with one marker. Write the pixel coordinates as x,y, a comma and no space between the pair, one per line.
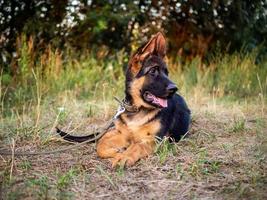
223,156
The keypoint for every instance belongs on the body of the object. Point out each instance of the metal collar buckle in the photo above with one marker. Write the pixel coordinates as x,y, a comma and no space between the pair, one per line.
124,106
120,110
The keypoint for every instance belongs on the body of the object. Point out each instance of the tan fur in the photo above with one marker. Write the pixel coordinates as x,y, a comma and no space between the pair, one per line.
139,119
135,65
112,143
136,86
126,145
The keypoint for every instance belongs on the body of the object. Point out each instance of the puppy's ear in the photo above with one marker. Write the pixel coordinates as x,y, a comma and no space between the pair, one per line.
155,46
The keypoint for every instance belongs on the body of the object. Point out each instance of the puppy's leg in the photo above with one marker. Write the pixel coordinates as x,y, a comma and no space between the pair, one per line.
113,143
134,152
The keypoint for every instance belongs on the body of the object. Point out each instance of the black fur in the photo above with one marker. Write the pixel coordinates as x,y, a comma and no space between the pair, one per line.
175,119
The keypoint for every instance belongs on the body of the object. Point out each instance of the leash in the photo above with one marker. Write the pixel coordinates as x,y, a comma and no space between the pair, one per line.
123,106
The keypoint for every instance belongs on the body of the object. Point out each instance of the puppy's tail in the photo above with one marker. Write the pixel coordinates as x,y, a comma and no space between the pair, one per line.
90,138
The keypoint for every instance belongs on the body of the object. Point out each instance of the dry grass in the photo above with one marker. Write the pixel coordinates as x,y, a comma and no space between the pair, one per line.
223,157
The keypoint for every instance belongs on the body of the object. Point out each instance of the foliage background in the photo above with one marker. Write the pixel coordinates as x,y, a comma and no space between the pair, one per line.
192,27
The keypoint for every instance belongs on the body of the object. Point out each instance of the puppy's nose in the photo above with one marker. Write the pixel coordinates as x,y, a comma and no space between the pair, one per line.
171,88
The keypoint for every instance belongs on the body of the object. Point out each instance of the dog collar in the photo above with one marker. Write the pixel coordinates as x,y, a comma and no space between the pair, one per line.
125,106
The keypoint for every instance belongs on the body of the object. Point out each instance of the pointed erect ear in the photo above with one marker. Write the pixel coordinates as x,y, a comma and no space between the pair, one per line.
155,46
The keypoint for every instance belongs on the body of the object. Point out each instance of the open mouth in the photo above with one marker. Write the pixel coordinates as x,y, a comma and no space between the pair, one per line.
163,103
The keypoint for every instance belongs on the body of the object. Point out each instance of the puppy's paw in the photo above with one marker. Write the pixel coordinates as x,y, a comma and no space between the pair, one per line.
123,160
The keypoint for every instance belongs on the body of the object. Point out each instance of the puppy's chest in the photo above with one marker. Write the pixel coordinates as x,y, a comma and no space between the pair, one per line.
142,125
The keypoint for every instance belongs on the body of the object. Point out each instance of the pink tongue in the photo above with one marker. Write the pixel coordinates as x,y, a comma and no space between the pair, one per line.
162,102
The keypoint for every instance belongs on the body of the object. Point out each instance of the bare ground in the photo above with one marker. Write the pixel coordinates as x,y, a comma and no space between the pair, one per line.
223,157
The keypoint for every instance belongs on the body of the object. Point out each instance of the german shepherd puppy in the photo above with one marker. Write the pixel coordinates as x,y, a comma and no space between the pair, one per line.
159,112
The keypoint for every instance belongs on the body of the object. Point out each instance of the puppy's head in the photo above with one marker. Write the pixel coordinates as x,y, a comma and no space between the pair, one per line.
147,81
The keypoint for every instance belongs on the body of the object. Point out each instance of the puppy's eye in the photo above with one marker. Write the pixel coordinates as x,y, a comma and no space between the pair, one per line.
153,71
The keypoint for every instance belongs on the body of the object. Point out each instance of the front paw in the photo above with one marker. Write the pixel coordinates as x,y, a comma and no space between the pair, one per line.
123,160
